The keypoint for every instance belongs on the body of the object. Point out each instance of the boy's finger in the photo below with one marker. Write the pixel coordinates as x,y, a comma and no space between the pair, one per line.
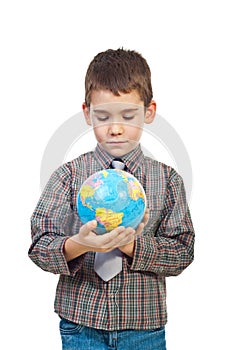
127,235
119,236
146,217
89,226
108,238
140,228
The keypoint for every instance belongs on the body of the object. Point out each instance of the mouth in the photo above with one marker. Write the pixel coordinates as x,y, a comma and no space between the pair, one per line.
116,142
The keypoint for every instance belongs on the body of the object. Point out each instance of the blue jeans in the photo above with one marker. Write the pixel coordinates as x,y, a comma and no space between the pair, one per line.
78,337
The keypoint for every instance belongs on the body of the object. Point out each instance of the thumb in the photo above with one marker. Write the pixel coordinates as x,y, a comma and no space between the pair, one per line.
89,226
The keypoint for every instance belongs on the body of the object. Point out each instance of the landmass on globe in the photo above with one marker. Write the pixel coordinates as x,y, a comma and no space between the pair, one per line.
108,218
113,197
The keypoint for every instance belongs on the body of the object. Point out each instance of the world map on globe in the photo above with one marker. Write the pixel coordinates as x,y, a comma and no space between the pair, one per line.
114,198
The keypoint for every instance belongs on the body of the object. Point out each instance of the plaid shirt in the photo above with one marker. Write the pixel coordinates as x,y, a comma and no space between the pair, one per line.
135,298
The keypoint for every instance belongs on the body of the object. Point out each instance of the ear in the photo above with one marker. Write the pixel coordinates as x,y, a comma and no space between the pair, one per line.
86,113
150,112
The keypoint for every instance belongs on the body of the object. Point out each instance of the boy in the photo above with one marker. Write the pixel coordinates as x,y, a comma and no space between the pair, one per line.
128,309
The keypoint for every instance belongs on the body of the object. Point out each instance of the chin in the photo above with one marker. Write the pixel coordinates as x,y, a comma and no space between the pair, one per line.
120,152
116,153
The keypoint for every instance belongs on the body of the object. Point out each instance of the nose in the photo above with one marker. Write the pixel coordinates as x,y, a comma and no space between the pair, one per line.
116,129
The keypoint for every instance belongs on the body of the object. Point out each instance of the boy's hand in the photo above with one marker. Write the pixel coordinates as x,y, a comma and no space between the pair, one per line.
128,249
103,243
87,240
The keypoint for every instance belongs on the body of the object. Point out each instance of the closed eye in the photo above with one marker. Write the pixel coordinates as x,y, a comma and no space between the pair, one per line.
102,118
128,117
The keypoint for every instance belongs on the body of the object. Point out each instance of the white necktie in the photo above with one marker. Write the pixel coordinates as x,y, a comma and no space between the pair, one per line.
108,265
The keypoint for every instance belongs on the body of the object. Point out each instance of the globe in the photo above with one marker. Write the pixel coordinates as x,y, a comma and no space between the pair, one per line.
113,198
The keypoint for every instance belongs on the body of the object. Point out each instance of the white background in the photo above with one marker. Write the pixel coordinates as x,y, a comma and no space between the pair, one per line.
45,49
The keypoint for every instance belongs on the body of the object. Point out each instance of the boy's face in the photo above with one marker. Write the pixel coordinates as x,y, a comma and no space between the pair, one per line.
118,120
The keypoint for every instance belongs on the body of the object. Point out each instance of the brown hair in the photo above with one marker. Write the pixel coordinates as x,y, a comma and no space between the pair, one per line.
119,71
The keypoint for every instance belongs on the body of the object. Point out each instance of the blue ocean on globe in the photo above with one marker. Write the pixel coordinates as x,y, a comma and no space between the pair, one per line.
114,198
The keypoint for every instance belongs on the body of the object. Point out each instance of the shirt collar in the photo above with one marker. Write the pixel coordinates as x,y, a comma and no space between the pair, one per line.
132,159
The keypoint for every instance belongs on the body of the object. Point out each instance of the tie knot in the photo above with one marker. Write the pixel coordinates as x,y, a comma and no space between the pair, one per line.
117,163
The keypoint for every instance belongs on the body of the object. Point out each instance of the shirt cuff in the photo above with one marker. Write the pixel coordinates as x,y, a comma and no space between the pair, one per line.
145,254
58,261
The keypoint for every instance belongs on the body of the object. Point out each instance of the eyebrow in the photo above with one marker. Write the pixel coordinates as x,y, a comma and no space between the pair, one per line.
126,110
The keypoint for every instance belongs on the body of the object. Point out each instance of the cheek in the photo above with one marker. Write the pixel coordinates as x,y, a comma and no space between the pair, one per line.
135,133
100,133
